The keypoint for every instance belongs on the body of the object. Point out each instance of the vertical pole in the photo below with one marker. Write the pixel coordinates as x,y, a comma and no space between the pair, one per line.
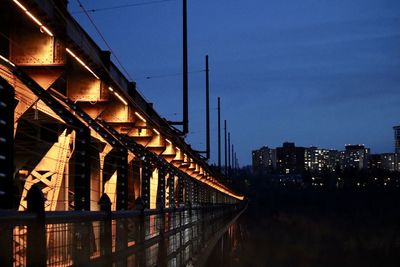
6,245
226,152
219,134
146,174
162,256
81,174
6,168
196,193
229,154
36,249
207,111
180,190
235,166
233,160
161,188
121,239
185,70
106,228
188,193
171,185
81,177
6,144
122,179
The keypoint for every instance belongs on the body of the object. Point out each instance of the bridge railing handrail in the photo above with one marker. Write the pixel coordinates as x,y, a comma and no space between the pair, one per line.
64,235
14,217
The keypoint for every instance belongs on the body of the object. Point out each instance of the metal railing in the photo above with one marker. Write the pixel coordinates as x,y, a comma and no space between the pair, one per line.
163,237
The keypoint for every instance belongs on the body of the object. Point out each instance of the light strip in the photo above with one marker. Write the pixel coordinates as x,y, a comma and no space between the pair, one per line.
82,63
120,98
42,27
168,141
34,19
177,148
118,95
140,117
8,61
157,132
20,5
47,30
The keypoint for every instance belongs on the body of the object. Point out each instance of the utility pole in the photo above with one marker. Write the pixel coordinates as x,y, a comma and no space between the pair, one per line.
207,111
185,71
233,160
229,153
185,97
219,134
235,166
226,152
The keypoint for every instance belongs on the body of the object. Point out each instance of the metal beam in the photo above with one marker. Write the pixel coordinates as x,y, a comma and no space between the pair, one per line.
6,144
122,179
146,175
171,190
160,199
81,172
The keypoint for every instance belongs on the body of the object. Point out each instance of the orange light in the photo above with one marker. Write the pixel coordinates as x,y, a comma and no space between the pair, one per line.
42,27
81,62
8,61
20,5
157,132
120,98
118,95
140,117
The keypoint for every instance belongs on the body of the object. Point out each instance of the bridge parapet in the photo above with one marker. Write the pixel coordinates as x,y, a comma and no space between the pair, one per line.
148,237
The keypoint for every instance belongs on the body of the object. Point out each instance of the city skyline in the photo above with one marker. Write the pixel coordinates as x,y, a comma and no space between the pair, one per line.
327,75
290,159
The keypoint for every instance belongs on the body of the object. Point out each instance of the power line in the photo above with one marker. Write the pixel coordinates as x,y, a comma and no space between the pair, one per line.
104,40
100,9
168,75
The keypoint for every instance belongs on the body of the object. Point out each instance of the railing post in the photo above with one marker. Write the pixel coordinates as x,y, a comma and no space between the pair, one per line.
163,243
36,250
106,228
122,201
6,245
141,232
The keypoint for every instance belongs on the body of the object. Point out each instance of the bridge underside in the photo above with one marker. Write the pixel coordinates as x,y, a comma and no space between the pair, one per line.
76,128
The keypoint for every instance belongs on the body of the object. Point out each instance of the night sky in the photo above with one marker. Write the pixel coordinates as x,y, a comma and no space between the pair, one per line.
314,72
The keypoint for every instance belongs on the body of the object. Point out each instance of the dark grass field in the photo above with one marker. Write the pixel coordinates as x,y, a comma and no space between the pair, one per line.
315,228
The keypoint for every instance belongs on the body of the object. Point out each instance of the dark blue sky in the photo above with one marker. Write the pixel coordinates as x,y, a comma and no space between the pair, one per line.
315,72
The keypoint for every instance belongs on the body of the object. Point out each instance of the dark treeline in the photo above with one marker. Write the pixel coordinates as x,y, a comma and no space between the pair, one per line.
349,179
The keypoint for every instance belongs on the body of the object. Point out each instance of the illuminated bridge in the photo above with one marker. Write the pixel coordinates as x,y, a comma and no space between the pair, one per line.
90,174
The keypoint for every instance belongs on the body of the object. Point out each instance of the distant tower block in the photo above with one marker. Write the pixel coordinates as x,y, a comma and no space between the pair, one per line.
396,139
